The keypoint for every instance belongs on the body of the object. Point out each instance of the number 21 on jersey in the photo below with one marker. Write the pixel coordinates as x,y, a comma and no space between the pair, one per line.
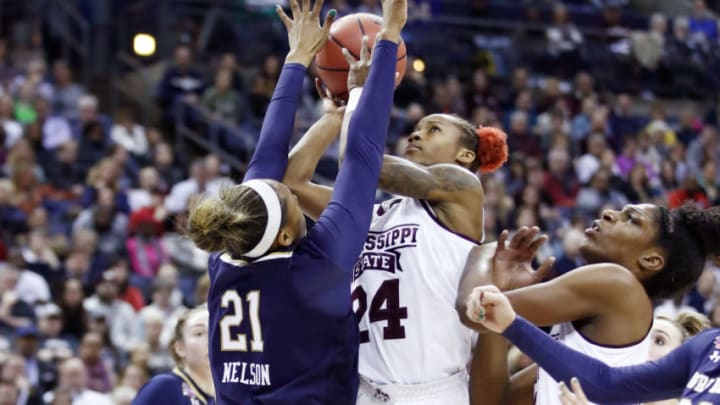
233,319
385,306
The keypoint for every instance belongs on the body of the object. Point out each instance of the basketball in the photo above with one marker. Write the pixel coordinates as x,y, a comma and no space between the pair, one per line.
347,32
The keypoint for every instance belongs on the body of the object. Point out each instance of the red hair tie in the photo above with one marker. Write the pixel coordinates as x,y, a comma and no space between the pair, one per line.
492,151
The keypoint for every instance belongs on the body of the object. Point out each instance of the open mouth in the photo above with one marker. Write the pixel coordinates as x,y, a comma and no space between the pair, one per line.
594,228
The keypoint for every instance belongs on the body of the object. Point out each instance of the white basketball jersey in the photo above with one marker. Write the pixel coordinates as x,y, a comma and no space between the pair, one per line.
404,290
546,389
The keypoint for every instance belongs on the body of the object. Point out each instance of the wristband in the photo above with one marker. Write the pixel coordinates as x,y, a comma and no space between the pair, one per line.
353,99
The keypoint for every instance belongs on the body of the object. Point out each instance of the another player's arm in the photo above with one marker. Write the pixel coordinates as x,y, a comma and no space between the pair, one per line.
657,380
306,38
490,385
303,160
343,226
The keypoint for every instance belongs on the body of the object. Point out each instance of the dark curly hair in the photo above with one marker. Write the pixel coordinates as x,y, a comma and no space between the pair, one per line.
688,235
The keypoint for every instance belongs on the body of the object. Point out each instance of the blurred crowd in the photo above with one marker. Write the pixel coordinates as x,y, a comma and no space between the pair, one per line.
94,270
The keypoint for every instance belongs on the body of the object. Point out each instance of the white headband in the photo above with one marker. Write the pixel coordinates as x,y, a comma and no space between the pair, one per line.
274,216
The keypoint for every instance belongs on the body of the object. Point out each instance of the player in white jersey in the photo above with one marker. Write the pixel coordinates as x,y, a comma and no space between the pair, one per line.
603,309
414,349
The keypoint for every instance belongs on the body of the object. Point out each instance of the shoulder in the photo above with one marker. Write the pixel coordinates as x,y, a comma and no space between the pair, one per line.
163,386
601,278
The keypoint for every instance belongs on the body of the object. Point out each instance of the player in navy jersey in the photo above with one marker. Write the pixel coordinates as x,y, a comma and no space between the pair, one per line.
282,329
190,383
692,372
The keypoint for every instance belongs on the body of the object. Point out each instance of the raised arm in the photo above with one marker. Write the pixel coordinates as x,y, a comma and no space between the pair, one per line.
343,226
306,38
306,154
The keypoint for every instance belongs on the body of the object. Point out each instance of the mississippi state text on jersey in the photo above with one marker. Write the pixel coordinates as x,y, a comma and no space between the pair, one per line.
404,290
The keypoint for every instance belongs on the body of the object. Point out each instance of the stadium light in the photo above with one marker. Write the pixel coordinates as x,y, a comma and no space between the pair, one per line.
144,44
419,65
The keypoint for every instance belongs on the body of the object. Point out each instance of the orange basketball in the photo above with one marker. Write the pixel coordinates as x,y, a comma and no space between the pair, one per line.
347,32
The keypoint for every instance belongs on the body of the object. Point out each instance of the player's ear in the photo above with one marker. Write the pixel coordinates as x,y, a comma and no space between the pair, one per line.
285,237
465,157
179,348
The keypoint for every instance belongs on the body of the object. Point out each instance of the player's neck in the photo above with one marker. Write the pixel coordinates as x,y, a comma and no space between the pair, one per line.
203,380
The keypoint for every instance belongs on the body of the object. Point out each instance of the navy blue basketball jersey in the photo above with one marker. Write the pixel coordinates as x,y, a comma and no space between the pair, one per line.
175,388
282,330
703,385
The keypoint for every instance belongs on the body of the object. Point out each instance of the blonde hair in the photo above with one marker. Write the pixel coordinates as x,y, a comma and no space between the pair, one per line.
95,173
233,222
178,333
689,323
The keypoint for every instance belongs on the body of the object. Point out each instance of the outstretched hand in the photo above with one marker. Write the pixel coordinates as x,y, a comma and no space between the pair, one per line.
306,36
359,68
394,18
576,397
489,307
512,265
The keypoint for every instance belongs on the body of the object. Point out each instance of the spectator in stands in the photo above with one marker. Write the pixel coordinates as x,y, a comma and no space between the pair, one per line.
560,183
164,162
149,187
152,325
570,258
563,43
481,94
705,147
66,172
13,372
7,70
589,163
145,248
55,129
688,192
105,175
14,312
519,137
73,375
13,129
127,133
190,260
689,126
599,193
33,81
133,376
648,47
120,316
9,393
623,122
639,189
99,377
180,81
41,374
177,200
703,22
73,313
708,181
222,100
87,112
66,92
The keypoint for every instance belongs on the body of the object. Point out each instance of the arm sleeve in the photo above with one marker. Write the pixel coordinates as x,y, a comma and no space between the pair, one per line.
657,380
271,154
342,228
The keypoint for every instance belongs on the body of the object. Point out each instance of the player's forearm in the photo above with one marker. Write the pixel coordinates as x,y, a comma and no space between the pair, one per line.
489,379
271,154
304,157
